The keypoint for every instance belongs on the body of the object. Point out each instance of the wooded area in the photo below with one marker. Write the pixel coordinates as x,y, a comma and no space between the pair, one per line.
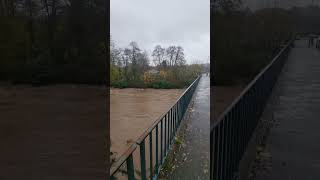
131,67
244,41
53,41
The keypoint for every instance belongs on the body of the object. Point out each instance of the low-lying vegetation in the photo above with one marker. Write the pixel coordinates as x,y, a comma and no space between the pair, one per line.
130,68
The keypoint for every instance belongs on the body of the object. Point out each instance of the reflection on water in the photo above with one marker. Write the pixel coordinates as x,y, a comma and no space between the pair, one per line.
132,111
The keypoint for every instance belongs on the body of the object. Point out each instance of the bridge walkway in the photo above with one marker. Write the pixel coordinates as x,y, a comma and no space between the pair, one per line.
190,160
292,148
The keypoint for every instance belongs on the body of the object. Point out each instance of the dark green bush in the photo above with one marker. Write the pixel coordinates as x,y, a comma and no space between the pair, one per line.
120,84
162,84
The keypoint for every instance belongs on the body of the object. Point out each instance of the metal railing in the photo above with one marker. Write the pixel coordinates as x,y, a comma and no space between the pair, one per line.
231,132
151,149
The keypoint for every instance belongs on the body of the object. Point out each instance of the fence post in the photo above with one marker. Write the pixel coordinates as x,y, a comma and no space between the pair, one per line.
143,160
130,168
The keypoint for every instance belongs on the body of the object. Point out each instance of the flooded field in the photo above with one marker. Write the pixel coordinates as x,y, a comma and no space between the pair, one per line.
132,111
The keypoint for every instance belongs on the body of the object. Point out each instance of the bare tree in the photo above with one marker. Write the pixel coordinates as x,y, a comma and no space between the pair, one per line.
170,53
8,7
158,55
126,60
135,51
143,61
227,6
179,57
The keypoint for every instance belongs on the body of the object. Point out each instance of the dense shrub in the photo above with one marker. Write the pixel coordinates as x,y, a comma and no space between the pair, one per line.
162,84
166,78
120,84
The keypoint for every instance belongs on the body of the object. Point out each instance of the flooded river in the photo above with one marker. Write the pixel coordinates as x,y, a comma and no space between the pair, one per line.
132,111
52,132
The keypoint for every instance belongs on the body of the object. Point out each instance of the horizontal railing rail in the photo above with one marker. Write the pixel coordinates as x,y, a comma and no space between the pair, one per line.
232,131
155,143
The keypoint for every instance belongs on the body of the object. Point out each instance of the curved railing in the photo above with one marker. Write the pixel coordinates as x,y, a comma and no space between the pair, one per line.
231,132
154,143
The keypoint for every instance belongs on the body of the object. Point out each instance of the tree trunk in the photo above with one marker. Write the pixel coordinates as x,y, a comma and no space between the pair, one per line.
30,27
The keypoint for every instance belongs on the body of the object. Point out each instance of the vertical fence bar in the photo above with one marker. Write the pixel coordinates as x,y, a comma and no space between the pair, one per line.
234,118
143,160
161,144
236,138
225,148
211,154
165,135
169,126
157,150
221,150
151,154
180,111
170,115
216,153
130,168
228,147
172,124
176,117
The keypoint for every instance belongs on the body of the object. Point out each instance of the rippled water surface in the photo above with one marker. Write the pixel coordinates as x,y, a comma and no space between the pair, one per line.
132,111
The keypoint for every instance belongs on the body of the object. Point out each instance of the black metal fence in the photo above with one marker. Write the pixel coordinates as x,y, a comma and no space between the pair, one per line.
143,160
231,132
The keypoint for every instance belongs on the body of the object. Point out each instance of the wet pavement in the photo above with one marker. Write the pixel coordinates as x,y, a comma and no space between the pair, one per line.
293,145
191,158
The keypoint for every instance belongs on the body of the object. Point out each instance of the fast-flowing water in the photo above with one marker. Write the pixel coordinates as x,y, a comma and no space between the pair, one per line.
132,111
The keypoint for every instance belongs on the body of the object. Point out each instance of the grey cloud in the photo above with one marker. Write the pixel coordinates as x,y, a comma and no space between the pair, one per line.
165,22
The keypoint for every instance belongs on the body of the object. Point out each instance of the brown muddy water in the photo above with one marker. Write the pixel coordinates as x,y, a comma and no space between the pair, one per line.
132,111
52,132
223,97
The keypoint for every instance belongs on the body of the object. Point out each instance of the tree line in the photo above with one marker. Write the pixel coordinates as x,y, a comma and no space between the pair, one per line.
245,41
53,41
164,68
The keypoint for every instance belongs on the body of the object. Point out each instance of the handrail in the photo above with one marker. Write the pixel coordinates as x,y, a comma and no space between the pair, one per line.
246,89
116,166
171,120
145,134
232,131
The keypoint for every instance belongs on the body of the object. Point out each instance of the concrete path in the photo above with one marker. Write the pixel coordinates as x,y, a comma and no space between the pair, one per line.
293,145
191,159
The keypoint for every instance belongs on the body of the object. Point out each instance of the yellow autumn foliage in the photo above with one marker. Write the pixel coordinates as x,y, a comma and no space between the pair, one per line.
148,78
163,74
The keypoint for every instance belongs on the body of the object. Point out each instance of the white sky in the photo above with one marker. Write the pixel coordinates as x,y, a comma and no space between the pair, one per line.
165,22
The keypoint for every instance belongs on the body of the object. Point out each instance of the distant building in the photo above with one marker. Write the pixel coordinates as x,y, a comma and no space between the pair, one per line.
153,71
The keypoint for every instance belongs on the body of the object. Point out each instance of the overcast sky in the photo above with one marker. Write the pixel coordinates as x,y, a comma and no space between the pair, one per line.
165,22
